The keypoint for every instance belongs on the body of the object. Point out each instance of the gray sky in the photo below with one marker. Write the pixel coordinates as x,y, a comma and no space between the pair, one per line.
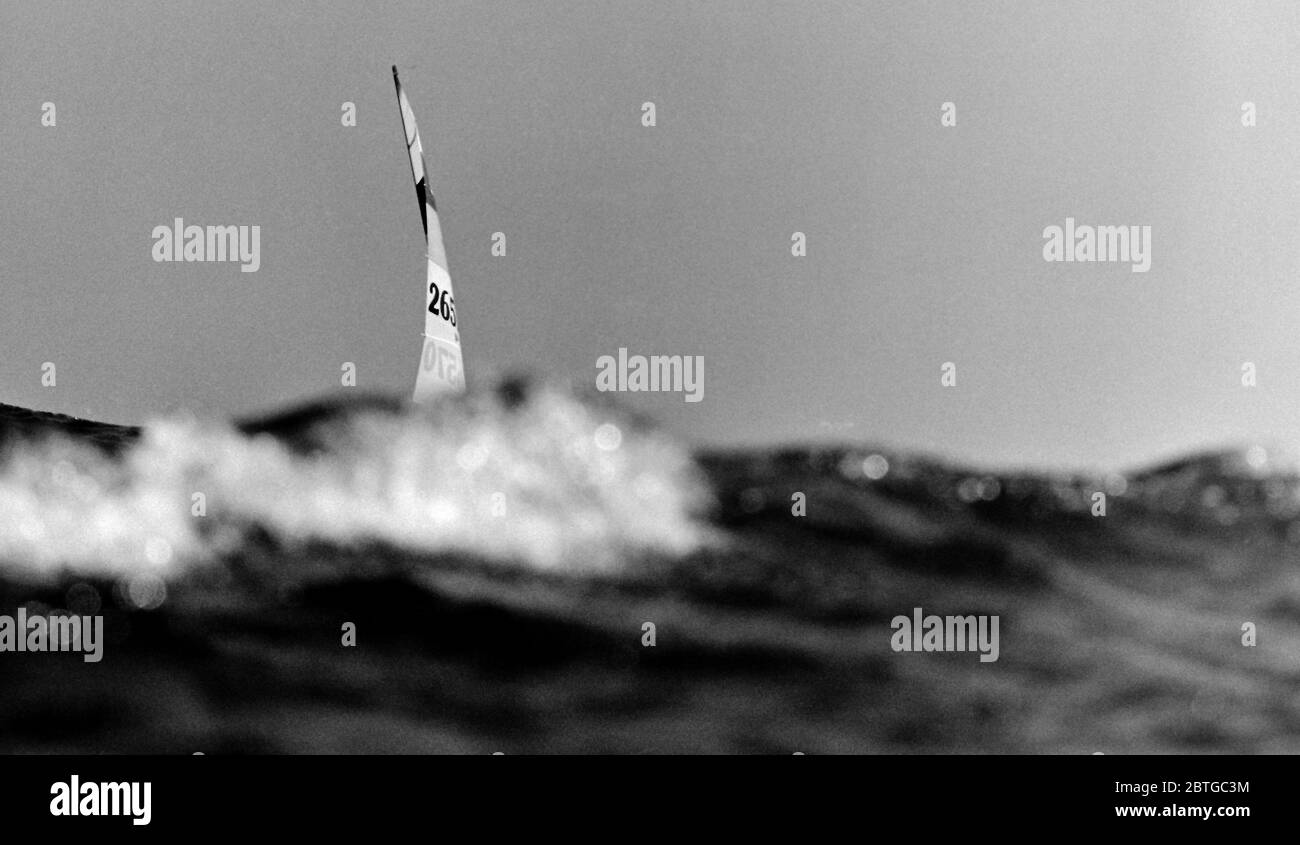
925,243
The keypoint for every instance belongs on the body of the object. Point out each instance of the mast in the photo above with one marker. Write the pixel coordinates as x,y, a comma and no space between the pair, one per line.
440,368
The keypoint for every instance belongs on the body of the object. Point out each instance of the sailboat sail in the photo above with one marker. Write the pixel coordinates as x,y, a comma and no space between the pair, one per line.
440,362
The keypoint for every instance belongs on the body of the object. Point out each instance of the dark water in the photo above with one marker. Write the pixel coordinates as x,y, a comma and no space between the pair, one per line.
501,555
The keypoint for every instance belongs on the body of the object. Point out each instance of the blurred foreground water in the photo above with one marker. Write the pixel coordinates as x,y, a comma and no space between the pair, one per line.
500,556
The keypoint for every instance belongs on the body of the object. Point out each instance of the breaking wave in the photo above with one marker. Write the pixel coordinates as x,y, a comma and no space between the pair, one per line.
535,477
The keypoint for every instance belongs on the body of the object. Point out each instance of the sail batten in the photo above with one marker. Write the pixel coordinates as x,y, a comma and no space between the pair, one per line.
441,368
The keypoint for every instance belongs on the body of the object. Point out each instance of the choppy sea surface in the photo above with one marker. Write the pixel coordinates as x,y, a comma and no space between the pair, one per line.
503,555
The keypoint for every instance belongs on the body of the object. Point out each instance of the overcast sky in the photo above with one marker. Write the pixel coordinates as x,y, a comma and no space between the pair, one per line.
924,242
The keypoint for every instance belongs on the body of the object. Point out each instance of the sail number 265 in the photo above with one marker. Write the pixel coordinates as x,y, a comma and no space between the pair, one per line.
442,304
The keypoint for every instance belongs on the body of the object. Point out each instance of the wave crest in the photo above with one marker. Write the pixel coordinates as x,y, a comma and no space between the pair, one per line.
543,478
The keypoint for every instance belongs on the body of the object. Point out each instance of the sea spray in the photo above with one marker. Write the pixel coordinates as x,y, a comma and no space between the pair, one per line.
540,482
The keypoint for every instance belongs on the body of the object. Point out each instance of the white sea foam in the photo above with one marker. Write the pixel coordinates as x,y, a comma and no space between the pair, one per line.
555,483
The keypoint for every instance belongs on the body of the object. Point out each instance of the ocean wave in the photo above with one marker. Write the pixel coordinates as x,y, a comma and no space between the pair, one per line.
619,596
539,477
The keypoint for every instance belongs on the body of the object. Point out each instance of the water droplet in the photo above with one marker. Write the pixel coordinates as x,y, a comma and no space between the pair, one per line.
875,467
989,488
471,456
146,592
157,551
83,600
608,437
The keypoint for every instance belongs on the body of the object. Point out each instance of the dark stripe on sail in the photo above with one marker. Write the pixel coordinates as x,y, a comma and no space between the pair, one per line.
422,193
425,195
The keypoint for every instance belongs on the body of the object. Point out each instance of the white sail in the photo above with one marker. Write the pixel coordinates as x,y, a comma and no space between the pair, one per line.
440,362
